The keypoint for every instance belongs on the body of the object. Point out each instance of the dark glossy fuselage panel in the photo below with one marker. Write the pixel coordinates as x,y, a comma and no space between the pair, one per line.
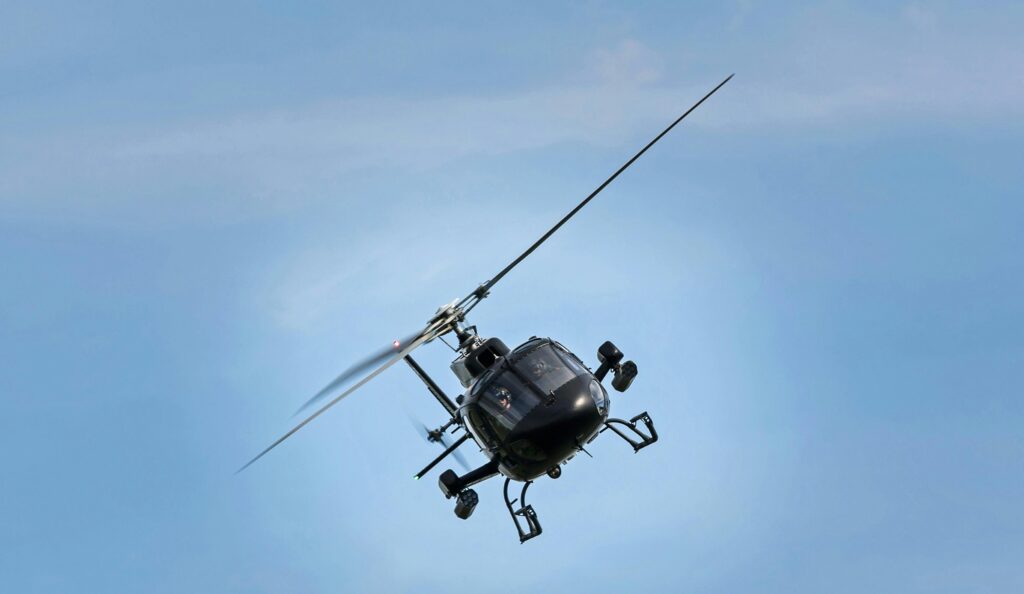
518,416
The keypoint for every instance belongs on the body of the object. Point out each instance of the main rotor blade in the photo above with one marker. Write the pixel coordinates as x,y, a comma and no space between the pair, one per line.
360,367
428,333
482,290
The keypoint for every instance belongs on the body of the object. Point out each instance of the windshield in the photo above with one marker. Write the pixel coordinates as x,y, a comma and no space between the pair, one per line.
509,393
507,399
545,369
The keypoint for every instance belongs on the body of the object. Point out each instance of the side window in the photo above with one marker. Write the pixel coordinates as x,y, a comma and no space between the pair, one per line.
480,424
482,382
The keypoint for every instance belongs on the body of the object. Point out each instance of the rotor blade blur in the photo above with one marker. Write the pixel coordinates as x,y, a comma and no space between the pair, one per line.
458,456
482,290
358,368
419,426
427,334
424,432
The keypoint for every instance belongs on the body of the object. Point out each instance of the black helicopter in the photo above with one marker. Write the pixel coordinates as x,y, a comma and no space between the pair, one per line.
529,409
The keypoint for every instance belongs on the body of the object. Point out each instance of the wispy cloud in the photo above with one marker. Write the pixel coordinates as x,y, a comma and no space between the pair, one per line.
829,75
917,70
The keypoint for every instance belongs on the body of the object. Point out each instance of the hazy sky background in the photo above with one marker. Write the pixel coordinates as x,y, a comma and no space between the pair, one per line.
208,210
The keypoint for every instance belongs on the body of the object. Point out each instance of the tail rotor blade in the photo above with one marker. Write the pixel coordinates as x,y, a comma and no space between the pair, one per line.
458,456
424,431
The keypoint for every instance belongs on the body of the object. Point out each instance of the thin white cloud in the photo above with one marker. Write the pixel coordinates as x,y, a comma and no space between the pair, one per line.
628,62
630,95
830,78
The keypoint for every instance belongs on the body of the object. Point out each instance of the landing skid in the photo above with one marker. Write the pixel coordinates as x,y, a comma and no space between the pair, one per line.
525,512
646,439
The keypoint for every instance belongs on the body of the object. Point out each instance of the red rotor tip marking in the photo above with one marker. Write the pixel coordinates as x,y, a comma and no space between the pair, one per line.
397,344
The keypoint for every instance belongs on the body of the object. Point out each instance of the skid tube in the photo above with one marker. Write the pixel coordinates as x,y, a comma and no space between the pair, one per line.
525,511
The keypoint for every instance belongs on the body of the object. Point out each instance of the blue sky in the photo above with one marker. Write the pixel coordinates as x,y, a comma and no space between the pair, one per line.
207,211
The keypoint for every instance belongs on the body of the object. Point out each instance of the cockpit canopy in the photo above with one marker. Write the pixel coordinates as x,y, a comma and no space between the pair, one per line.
530,375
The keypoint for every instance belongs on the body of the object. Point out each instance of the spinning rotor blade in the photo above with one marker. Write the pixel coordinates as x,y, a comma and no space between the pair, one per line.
360,367
483,289
458,456
424,431
432,331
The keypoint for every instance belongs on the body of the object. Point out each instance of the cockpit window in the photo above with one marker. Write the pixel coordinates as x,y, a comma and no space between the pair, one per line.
507,399
529,344
574,364
545,369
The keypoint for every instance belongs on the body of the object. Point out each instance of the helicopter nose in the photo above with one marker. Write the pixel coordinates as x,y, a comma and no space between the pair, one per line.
562,423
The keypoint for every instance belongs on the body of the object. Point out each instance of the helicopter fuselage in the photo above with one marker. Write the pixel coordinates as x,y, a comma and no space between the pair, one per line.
533,408
529,409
